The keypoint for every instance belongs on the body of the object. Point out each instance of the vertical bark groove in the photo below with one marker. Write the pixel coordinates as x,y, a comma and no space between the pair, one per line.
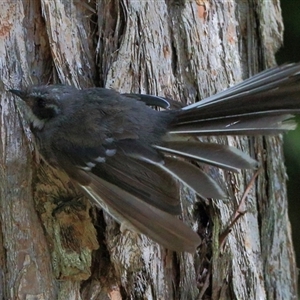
54,244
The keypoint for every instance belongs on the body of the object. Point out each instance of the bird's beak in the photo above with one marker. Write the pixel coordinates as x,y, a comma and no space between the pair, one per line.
18,93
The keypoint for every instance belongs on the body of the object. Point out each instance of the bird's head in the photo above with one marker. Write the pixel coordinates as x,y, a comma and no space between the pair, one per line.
42,102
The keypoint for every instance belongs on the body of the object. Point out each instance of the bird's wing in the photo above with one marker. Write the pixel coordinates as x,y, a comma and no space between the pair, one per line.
143,180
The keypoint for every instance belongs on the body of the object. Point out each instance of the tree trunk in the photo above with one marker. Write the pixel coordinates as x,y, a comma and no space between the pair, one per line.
54,244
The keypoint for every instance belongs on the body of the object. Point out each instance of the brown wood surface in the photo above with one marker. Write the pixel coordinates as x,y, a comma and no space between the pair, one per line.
182,49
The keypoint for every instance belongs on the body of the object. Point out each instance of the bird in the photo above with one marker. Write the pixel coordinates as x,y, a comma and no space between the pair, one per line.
128,158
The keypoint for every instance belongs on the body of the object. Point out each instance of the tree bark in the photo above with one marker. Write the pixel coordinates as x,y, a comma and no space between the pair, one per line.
54,244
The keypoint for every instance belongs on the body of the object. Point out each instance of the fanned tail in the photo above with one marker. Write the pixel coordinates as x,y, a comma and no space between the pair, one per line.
262,104
136,184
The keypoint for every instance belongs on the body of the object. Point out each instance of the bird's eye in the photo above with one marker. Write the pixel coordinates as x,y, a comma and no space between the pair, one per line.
40,102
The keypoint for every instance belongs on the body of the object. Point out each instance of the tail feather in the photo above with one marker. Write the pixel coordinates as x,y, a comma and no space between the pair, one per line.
134,213
266,81
192,177
221,156
275,91
246,124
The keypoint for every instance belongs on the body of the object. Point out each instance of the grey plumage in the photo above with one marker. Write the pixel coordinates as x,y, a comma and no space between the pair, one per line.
127,157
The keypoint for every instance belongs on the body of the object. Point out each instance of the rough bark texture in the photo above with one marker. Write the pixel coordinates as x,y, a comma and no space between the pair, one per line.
53,243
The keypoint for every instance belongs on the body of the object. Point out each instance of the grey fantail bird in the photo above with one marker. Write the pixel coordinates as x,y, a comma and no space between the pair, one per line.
127,157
